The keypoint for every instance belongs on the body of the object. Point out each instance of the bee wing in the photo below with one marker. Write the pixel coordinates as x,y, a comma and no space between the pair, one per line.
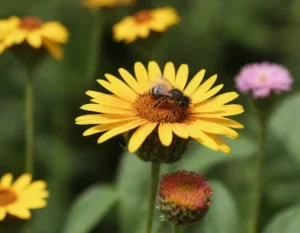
164,81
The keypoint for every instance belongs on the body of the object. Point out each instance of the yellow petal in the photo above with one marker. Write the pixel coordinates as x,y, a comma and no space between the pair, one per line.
194,83
101,119
215,114
216,102
22,182
180,130
165,134
118,90
204,87
153,70
18,36
224,121
6,180
55,31
169,72
182,76
110,100
141,76
2,213
130,80
201,137
143,32
121,129
121,85
104,127
36,186
207,95
140,135
101,108
34,39
19,211
34,203
215,128
208,143
225,110
38,194
54,49
221,144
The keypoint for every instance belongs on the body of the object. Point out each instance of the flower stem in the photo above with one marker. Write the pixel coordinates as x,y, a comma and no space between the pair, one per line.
95,44
29,123
263,118
177,229
155,170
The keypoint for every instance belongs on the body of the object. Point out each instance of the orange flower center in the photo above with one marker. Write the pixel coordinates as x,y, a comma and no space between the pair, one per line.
167,111
30,23
142,16
262,79
7,197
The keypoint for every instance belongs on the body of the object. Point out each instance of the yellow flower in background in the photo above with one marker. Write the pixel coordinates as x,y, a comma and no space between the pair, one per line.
107,3
143,22
19,197
132,106
32,31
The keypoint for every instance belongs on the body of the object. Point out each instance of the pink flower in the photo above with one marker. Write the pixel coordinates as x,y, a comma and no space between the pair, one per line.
263,79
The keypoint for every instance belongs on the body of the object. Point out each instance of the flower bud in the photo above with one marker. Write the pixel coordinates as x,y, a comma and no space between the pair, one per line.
184,197
153,151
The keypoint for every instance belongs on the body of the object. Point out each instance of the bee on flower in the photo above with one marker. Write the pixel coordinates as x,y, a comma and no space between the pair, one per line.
157,121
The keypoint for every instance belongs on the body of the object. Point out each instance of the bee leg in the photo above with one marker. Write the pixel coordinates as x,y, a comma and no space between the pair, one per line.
174,108
159,101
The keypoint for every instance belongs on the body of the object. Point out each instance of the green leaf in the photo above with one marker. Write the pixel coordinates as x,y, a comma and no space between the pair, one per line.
287,221
286,126
222,217
132,186
90,207
199,158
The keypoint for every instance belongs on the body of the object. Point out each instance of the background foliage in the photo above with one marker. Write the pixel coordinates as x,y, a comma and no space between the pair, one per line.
98,188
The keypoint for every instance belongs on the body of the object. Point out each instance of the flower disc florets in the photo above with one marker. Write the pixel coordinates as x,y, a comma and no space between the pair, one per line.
164,113
184,197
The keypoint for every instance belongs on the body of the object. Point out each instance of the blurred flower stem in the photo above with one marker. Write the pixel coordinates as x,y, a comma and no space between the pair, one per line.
95,43
176,229
29,122
155,170
263,116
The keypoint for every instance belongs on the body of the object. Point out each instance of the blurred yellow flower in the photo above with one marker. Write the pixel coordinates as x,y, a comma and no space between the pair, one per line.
35,33
16,199
132,106
140,24
107,3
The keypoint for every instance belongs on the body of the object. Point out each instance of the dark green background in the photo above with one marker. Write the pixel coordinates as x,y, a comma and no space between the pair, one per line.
218,35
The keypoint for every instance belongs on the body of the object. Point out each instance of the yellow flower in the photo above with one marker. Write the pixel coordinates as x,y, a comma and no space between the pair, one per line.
132,106
140,24
35,33
107,3
17,198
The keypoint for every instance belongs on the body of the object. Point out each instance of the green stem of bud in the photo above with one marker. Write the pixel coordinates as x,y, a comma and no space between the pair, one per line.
263,127
176,229
155,170
29,123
